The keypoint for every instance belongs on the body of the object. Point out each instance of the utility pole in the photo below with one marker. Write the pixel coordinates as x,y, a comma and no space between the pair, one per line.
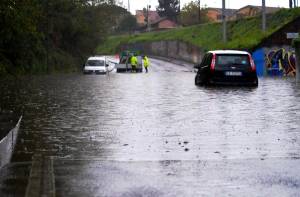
47,35
199,11
224,21
148,20
264,21
178,14
128,5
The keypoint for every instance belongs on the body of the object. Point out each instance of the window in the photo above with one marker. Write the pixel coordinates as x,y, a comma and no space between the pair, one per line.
209,59
237,60
203,61
95,63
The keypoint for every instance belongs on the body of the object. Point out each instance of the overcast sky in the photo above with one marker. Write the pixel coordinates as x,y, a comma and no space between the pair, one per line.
140,4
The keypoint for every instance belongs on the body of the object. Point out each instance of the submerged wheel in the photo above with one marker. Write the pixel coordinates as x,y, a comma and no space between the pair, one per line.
255,84
198,81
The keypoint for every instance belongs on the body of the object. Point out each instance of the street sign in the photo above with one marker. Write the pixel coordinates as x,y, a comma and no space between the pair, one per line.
292,35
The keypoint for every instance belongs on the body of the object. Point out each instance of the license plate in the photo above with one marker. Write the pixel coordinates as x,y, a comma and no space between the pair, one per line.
229,73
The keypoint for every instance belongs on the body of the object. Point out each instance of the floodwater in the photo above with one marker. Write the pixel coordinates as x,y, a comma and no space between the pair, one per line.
158,134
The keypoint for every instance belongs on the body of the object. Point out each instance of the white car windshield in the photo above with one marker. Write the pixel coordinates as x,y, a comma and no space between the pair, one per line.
95,63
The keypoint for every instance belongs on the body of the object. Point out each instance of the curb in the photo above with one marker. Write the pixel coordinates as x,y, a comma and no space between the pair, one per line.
175,61
41,180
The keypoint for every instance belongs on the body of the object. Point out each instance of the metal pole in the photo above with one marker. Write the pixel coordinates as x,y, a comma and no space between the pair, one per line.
148,20
264,15
128,5
199,11
224,21
178,14
47,35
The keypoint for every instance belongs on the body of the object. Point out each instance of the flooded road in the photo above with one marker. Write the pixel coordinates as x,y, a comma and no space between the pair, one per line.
158,134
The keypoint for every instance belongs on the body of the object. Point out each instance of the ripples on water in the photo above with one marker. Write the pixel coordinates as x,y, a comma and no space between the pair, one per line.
155,116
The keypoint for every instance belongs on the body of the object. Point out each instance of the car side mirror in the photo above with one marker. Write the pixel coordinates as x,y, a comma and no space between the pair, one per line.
196,66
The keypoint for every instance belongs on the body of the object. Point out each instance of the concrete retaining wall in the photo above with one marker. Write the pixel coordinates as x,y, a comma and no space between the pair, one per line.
297,51
169,49
277,60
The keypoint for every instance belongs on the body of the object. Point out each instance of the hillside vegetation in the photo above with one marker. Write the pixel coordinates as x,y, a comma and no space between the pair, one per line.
52,36
242,34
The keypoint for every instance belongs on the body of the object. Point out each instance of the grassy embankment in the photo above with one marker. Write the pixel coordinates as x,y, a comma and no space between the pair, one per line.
242,34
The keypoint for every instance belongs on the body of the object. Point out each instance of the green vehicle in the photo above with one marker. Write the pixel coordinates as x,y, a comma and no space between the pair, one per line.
124,63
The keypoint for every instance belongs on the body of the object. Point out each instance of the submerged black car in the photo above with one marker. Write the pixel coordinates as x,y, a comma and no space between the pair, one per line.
227,67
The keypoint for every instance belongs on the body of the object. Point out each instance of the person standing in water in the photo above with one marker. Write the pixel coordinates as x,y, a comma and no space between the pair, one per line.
146,63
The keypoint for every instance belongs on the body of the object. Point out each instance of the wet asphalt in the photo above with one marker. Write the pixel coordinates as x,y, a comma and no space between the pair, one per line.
156,134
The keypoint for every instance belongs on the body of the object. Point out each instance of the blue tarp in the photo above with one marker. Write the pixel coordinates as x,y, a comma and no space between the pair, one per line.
259,59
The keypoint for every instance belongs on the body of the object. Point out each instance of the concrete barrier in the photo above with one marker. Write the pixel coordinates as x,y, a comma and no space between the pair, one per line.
41,181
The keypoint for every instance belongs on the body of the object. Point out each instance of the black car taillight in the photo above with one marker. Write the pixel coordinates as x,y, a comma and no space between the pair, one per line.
213,63
253,67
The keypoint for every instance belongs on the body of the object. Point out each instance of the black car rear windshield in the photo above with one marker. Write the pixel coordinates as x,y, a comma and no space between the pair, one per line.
232,59
95,63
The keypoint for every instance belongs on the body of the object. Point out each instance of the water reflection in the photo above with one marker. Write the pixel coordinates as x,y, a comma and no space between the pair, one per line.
123,123
148,117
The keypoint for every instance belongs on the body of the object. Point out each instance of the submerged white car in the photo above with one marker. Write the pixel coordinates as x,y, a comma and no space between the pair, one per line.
95,65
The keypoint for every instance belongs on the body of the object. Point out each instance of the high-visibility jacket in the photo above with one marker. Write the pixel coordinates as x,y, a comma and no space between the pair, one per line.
146,62
134,61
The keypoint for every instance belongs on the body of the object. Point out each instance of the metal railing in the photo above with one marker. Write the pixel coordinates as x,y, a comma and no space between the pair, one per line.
8,143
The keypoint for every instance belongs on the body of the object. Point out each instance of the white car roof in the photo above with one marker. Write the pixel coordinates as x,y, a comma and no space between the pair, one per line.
229,52
97,58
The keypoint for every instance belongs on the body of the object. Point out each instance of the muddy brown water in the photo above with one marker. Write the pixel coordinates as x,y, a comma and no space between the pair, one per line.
184,140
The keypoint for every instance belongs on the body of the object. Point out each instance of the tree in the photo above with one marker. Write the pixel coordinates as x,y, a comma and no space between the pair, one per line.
45,35
169,9
19,37
127,24
189,14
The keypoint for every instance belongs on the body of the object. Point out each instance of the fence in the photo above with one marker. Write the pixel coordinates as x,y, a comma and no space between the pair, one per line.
7,145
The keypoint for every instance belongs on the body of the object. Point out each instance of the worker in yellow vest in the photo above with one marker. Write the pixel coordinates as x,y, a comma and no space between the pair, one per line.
146,63
133,62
